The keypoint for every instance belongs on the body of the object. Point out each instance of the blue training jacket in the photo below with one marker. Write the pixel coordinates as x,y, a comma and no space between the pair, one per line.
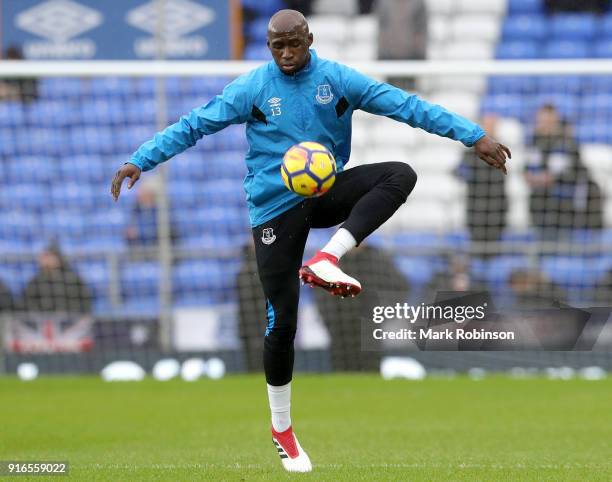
315,104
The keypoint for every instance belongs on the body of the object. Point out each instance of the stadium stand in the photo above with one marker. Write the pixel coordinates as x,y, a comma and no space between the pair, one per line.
54,176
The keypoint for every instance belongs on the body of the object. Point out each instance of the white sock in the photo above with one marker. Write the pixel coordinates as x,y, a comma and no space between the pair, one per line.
280,406
340,243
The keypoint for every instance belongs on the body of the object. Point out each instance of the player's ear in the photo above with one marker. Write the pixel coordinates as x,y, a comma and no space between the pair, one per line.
310,39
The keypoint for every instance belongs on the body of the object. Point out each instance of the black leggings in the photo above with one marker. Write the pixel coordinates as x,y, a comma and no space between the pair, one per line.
362,198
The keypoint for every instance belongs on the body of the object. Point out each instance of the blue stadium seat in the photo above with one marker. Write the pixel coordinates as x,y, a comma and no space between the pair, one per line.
26,196
605,26
140,306
575,26
141,112
190,164
102,112
35,169
102,244
61,88
603,48
129,138
63,224
598,83
230,138
525,6
206,277
13,246
573,271
16,276
525,27
215,241
52,113
223,193
142,87
264,8
8,144
257,30
419,270
184,193
79,196
107,224
221,222
567,49
257,51
596,106
496,271
45,141
11,114
91,140
90,168
562,84
208,86
208,165
505,105
109,87
140,278
18,226
512,84
518,49
96,275
226,165
598,131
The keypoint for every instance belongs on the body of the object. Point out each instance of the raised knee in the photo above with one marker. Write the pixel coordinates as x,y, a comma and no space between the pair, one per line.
406,177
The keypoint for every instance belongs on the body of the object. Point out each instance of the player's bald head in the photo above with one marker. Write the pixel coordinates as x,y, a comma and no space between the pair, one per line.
289,40
286,22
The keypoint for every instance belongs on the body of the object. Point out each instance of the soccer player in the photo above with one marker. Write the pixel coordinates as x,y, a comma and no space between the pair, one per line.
301,97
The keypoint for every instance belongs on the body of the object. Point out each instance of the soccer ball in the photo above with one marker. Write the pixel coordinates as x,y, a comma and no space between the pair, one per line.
308,169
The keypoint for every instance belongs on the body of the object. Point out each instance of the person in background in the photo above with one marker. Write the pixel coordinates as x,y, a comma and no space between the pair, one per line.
6,298
402,34
487,202
18,89
343,318
563,195
142,229
532,289
456,278
56,287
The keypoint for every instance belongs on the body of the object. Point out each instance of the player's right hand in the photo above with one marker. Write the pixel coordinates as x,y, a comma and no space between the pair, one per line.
127,170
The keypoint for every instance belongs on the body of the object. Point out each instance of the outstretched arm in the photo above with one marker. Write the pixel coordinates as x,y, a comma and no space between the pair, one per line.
225,109
384,99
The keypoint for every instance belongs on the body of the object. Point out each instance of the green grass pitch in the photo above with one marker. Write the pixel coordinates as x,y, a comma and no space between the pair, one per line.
354,428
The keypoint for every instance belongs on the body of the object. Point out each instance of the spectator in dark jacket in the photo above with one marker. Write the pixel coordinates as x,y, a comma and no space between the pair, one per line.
19,89
56,287
6,298
563,195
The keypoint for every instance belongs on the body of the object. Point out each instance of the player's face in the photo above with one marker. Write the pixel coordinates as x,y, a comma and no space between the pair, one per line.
290,50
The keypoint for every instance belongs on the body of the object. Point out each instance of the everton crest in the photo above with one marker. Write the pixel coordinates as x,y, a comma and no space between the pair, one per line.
324,94
268,236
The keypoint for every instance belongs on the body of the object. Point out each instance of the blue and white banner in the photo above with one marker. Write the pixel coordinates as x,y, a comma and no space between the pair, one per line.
101,29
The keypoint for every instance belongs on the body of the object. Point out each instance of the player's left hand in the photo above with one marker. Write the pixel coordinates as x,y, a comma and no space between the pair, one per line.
493,153
127,170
